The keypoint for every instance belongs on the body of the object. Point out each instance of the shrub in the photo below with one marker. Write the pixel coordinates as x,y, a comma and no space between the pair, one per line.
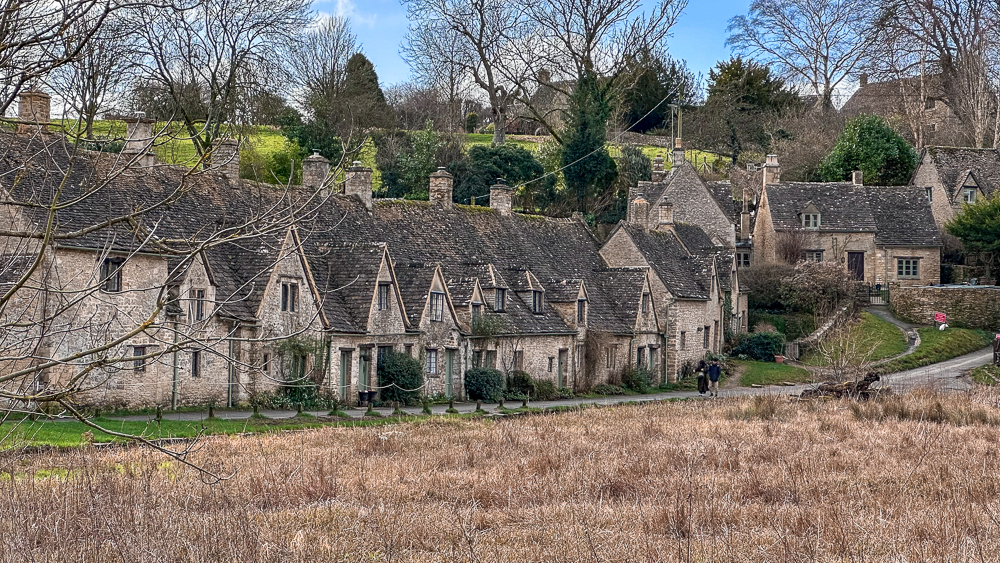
402,376
637,379
471,122
545,390
484,384
606,389
520,383
760,346
763,283
818,287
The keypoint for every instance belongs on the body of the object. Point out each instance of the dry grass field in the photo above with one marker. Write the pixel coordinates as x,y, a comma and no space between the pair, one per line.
755,479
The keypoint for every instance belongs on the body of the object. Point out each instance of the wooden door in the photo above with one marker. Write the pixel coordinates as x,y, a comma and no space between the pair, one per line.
449,369
856,264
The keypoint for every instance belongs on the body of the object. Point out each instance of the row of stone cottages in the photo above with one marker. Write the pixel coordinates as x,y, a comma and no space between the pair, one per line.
327,293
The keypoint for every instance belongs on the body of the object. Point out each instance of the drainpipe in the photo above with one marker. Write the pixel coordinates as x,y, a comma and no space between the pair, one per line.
232,368
173,392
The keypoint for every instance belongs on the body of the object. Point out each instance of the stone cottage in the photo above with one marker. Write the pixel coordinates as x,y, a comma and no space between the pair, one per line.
882,234
952,176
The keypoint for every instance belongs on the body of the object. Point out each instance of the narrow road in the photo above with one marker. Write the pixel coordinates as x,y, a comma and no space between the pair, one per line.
944,376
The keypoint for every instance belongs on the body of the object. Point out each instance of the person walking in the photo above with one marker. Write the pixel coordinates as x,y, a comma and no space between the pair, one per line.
714,373
702,378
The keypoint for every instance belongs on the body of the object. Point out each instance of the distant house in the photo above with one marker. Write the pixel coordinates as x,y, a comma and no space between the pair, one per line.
882,234
953,176
919,113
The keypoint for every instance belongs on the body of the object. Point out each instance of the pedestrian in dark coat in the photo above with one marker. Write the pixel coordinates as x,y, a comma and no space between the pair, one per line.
714,373
702,378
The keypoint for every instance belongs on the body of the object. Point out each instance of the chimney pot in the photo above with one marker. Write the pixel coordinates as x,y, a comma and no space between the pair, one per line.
678,152
500,197
858,177
441,188
658,172
640,210
139,138
666,213
33,111
772,170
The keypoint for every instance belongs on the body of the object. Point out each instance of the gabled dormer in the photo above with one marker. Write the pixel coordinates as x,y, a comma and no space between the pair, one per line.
646,319
387,308
968,189
437,304
496,288
197,291
530,290
810,217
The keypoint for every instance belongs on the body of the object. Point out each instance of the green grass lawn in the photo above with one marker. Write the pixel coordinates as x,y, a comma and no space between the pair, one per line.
886,339
70,433
986,375
938,346
768,373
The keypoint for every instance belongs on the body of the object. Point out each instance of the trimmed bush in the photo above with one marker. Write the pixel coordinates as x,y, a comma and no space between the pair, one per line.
760,346
521,384
637,379
606,389
404,376
545,390
484,384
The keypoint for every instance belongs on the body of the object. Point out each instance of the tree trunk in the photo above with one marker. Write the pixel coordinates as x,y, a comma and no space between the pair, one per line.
499,126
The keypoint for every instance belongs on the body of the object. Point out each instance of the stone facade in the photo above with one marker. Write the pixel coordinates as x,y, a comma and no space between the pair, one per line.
948,174
965,306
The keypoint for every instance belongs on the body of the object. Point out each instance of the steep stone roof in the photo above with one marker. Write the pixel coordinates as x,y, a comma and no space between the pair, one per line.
723,193
902,216
686,276
954,163
614,305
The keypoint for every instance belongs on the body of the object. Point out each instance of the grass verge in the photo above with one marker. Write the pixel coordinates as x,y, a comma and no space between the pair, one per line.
938,346
986,375
886,338
768,373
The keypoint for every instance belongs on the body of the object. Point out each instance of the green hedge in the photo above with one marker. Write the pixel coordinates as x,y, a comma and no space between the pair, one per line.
760,346
404,376
484,384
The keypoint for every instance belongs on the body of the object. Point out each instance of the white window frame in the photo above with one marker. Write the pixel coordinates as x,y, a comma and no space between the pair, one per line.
813,256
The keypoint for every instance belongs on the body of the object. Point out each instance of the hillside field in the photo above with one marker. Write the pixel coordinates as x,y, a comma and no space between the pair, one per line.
734,480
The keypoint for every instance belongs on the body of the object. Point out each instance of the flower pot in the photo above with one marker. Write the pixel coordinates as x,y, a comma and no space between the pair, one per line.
362,397
371,396
779,359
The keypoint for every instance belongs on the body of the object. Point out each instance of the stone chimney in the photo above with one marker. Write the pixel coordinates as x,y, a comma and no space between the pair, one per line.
772,170
226,157
745,219
441,188
315,171
358,181
858,177
666,219
138,140
33,111
500,197
658,173
863,80
640,210
678,152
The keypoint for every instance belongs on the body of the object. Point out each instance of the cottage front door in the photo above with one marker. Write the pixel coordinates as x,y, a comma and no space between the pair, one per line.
449,363
563,360
856,264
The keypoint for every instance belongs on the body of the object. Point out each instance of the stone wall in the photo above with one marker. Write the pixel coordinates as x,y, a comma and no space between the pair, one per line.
972,307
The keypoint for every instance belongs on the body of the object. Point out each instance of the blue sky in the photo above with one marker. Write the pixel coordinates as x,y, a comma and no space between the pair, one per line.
699,37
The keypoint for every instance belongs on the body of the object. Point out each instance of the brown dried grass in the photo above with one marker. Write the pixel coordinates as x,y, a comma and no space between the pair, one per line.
910,479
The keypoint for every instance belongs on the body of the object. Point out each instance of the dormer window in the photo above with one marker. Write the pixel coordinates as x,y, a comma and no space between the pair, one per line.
500,300
810,220
289,296
437,306
477,310
111,275
581,311
197,304
969,194
537,302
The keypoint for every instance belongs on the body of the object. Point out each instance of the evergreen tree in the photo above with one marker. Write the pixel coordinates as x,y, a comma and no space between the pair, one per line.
659,82
870,145
978,225
590,171
361,104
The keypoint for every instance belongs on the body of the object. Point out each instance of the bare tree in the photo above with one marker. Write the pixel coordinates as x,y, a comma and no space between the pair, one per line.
435,62
570,39
225,48
955,40
479,37
33,39
819,43
318,61
101,71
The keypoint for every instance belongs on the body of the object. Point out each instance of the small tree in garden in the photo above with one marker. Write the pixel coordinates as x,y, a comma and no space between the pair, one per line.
870,145
978,225
471,122
818,287
484,384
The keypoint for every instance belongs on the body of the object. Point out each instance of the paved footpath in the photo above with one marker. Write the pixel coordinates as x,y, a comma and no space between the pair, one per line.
943,376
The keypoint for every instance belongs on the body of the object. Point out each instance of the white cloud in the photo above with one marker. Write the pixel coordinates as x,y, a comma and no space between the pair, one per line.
348,9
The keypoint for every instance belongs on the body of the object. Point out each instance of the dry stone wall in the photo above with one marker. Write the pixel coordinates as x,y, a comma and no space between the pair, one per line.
972,307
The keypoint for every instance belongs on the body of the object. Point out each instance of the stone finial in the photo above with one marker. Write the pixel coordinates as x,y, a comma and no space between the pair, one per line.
33,112
315,171
500,197
658,172
358,182
772,170
441,188
226,157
